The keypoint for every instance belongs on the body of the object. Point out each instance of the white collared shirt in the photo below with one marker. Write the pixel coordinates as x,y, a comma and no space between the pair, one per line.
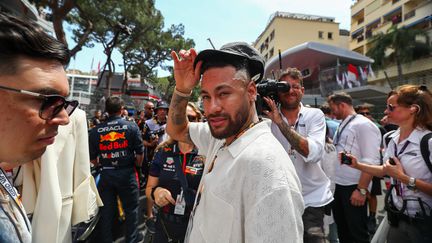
360,137
413,165
251,195
311,125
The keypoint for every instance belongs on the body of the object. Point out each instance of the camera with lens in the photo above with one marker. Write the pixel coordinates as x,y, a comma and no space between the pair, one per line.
158,132
345,159
269,88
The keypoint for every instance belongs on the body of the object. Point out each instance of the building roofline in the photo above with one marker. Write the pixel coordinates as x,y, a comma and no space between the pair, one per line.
295,16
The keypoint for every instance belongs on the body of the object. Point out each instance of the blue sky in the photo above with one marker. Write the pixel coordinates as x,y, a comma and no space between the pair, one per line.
223,21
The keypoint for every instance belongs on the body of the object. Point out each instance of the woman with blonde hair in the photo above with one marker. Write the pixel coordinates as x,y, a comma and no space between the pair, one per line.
174,177
409,201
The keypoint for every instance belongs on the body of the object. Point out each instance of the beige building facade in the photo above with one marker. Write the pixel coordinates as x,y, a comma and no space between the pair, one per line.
285,30
369,17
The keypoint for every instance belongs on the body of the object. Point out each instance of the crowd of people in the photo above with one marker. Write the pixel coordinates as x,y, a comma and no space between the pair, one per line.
221,174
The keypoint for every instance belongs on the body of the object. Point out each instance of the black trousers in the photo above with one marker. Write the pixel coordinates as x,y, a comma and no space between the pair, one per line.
176,231
351,220
121,182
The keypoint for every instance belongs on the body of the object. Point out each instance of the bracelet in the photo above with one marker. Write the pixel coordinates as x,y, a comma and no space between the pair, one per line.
181,94
152,192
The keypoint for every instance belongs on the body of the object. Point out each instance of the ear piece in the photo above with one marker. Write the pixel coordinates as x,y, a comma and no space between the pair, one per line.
415,108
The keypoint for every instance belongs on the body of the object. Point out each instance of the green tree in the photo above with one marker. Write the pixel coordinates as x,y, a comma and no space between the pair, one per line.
153,50
67,10
398,46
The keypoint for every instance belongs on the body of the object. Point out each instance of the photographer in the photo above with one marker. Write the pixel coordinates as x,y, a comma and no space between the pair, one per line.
175,173
301,131
410,199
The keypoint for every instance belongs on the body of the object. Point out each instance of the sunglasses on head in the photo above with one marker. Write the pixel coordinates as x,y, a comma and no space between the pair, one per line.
51,104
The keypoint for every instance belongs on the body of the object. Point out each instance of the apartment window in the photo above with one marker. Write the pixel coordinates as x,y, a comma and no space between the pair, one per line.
272,35
271,52
262,48
330,35
321,34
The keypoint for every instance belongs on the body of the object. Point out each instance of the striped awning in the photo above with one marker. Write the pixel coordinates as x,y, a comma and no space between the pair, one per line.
393,11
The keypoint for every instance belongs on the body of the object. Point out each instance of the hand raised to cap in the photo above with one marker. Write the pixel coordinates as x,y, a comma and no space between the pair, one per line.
186,77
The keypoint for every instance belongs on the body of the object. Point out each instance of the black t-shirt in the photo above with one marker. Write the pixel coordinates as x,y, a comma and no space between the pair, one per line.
164,165
115,142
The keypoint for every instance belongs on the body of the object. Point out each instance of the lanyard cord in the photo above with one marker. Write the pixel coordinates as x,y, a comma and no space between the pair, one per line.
396,154
339,132
12,193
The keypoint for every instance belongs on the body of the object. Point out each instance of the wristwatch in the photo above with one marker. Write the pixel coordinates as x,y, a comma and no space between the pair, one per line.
362,191
411,183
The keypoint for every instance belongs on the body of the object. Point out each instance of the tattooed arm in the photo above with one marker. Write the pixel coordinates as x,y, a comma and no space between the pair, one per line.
186,79
297,142
177,124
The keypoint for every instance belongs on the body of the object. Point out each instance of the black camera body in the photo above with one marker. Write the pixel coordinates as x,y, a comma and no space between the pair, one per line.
345,159
269,88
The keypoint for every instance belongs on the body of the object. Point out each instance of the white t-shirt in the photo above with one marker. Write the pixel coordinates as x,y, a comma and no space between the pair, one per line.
251,195
315,183
360,137
414,166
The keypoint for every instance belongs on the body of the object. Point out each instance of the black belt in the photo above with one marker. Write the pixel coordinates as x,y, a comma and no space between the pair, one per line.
175,218
415,220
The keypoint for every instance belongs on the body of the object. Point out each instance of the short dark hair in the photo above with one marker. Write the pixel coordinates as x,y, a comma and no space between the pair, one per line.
24,38
113,105
237,63
293,73
325,108
340,97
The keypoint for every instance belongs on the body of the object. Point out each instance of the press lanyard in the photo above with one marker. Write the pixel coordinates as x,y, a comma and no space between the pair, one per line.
13,194
396,154
339,132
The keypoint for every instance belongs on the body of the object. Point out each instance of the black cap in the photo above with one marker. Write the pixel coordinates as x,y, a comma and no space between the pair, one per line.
162,105
239,50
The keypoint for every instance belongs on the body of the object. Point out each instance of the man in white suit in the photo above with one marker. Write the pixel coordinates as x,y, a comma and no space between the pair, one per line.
33,87
58,188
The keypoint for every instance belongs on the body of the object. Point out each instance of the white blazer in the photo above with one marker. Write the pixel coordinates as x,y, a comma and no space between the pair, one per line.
58,188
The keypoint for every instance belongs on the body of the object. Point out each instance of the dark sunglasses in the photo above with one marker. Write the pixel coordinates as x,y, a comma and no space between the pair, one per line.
364,113
51,105
391,107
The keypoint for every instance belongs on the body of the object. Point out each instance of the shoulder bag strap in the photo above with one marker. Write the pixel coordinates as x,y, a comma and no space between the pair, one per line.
424,149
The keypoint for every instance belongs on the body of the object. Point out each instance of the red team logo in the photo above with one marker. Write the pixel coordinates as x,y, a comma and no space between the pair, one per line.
112,137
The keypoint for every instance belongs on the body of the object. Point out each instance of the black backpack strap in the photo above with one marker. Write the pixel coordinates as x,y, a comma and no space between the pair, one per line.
387,137
424,149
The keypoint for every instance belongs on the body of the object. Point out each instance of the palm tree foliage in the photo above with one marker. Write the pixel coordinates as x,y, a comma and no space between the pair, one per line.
398,46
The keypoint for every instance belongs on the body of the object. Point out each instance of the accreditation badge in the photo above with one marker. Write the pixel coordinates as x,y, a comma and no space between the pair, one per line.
180,205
